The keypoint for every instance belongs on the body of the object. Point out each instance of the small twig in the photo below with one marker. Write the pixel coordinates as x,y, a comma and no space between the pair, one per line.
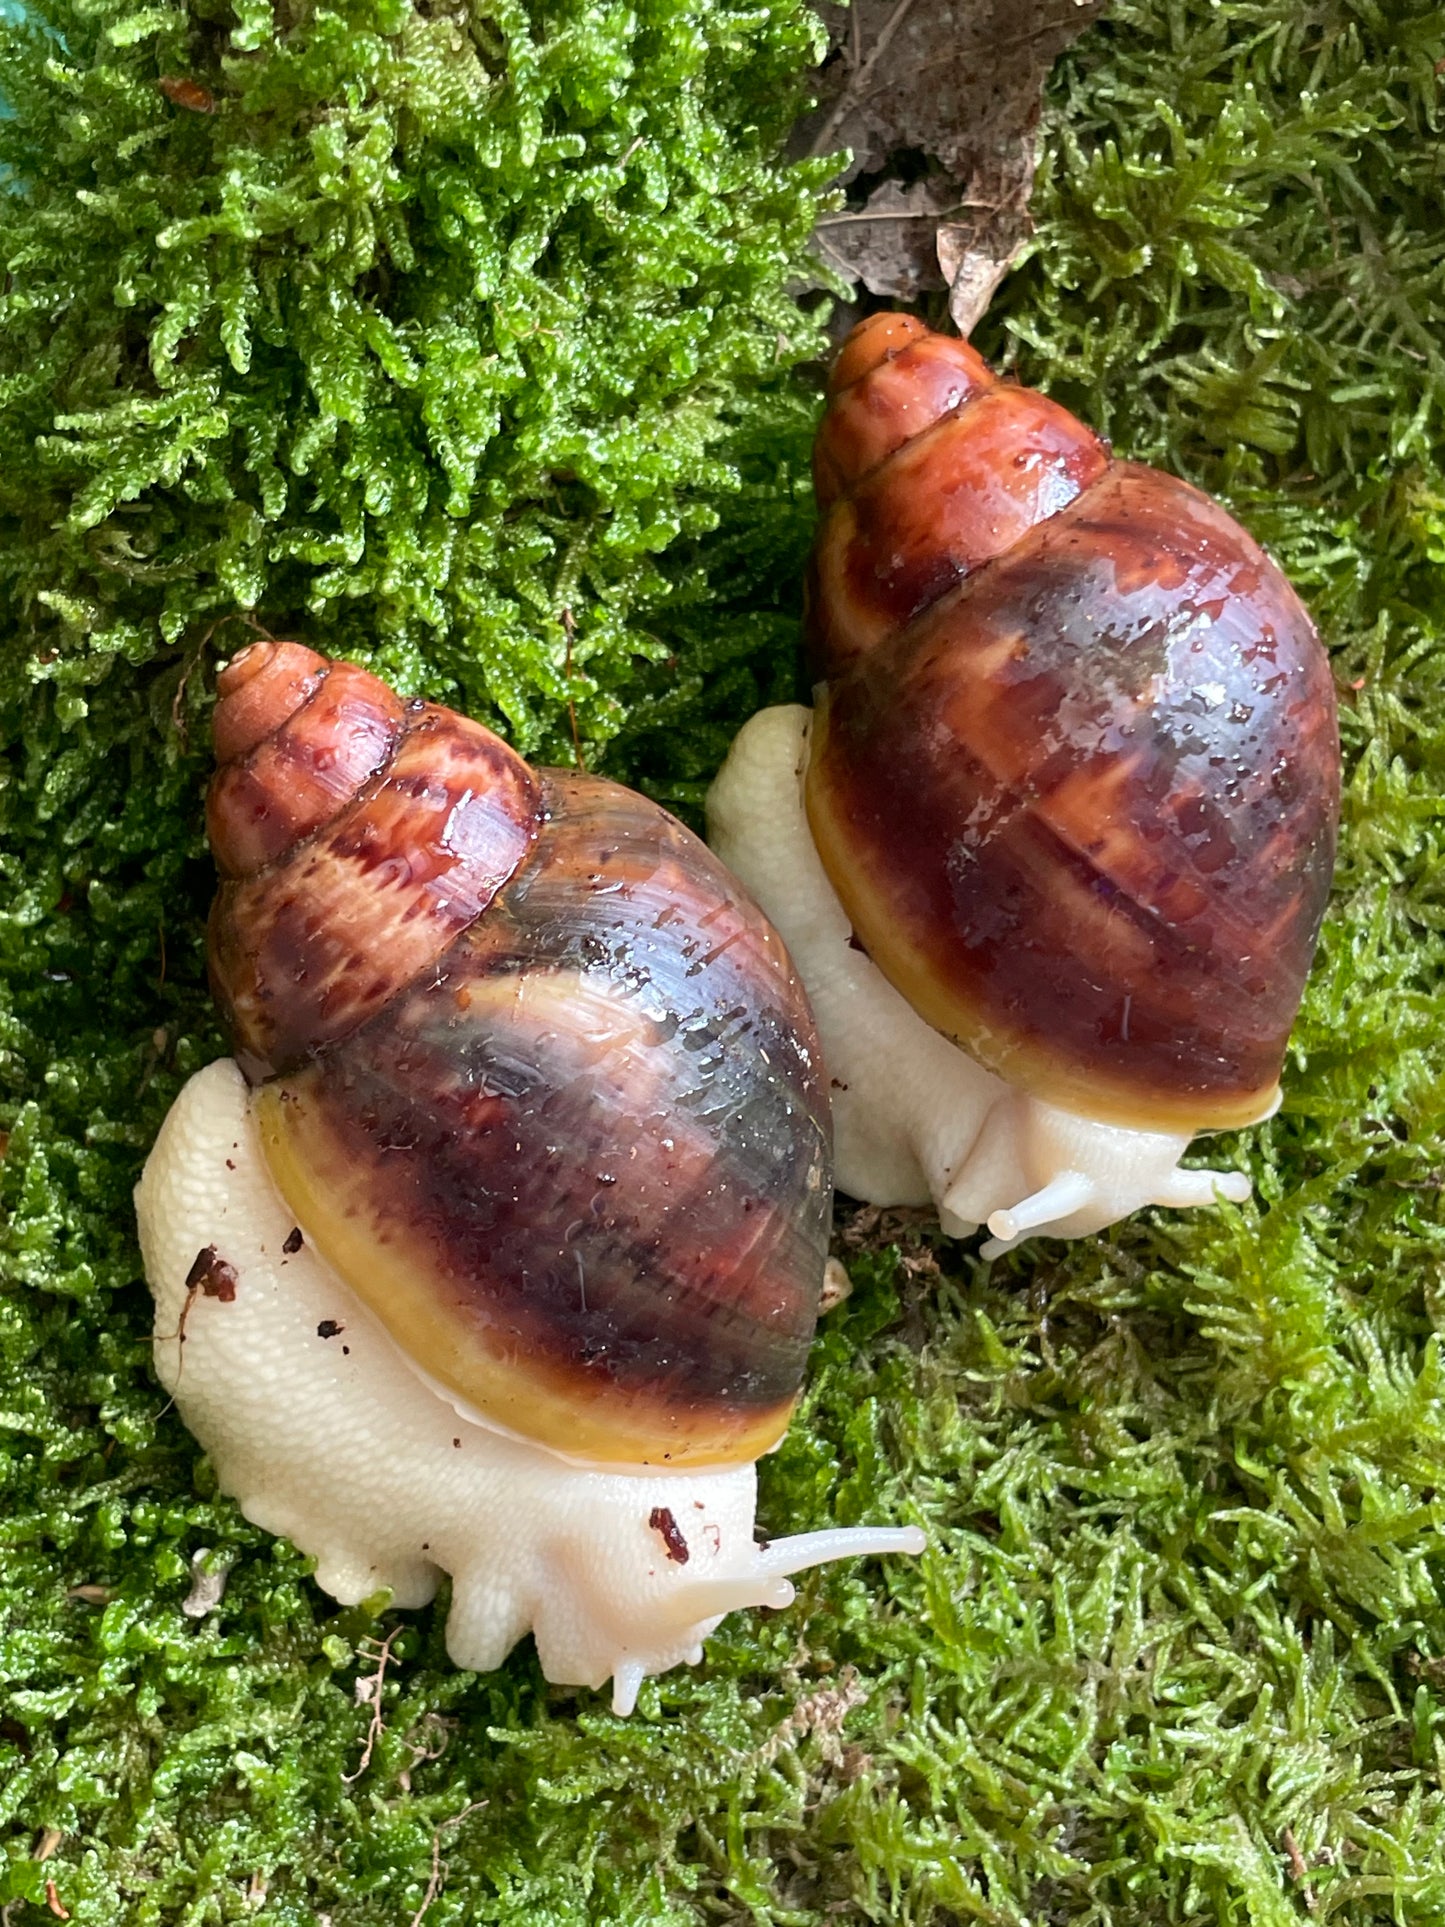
853,92
54,1902
883,214
194,1286
178,1336
1010,202
178,701
373,1685
570,629
1298,1868
434,1885
209,1274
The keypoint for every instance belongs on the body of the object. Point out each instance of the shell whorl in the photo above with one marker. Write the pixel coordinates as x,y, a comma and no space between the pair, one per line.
537,1077
357,835
1076,771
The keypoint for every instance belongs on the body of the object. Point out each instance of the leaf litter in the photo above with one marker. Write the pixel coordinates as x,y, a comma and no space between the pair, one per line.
939,102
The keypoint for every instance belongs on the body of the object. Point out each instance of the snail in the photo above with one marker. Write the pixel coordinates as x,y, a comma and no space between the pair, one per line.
1052,849
497,1247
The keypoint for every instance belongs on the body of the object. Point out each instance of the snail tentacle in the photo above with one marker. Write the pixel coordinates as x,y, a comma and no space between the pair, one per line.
807,1549
1061,1197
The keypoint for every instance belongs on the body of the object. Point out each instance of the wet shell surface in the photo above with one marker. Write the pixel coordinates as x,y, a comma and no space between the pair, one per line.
534,1073
1072,778
526,1111
1076,772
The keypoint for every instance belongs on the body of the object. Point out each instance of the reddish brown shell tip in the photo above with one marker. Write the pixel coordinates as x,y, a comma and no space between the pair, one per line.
893,379
873,340
240,669
258,691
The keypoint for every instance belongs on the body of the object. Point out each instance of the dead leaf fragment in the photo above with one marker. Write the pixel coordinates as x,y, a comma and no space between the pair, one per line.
182,91
939,101
820,1713
888,243
971,272
208,1584
837,1286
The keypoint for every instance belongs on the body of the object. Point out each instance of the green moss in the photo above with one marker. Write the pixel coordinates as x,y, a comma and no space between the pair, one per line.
409,346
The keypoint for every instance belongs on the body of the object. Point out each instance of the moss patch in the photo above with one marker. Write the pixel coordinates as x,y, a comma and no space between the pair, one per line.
462,337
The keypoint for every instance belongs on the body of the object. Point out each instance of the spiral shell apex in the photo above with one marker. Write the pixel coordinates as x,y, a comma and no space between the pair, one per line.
535,1076
1075,770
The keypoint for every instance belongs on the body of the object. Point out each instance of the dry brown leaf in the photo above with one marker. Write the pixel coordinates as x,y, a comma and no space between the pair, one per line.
888,244
939,101
972,269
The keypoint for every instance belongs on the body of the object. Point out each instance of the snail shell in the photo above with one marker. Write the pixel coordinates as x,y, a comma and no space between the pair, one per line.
528,1105
535,1076
1072,776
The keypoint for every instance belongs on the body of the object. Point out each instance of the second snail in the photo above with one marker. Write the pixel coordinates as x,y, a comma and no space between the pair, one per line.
1053,847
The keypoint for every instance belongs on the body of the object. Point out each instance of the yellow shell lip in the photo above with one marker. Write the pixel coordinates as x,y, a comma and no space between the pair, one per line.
470,1414
1086,1090
488,1375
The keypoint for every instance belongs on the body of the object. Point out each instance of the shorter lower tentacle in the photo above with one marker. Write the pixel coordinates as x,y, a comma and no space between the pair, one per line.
627,1678
696,1605
1067,1192
1182,1189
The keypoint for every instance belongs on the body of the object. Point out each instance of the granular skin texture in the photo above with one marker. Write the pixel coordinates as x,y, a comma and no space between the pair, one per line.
460,342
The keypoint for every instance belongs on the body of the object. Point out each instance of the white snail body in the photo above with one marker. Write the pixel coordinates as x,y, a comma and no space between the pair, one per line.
322,1430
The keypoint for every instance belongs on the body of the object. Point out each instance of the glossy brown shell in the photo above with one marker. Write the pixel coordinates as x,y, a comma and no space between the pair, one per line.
537,1077
1075,772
